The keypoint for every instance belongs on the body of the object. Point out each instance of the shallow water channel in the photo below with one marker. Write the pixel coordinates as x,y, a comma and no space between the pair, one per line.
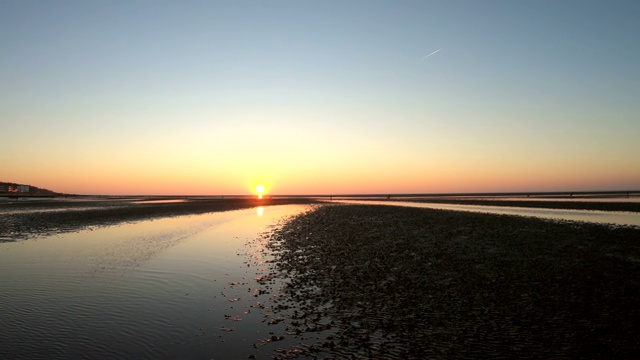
616,218
181,287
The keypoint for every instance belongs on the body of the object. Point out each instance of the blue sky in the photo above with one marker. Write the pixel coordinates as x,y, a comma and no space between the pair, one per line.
523,95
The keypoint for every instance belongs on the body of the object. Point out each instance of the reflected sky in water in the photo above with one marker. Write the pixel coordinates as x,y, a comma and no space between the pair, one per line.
151,289
601,217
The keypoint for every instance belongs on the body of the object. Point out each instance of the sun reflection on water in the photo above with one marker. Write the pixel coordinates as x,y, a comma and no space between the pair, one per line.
260,210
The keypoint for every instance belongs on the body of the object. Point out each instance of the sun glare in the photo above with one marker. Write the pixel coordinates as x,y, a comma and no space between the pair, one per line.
260,190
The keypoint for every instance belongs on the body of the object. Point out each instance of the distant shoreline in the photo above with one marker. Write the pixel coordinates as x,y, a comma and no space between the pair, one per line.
63,213
584,204
586,195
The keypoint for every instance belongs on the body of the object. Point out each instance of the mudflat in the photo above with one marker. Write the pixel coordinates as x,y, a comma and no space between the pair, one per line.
21,220
602,204
373,281
394,282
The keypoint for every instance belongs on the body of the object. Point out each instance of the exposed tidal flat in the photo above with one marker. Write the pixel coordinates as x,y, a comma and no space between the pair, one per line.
394,282
620,203
323,280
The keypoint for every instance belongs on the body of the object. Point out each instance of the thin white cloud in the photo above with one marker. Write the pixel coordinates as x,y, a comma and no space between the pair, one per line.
431,54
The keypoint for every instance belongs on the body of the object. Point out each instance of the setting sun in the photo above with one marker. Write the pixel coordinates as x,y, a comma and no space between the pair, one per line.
260,190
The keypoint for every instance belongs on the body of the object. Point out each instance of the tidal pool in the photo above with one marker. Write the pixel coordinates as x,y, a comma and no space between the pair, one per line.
616,218
181,287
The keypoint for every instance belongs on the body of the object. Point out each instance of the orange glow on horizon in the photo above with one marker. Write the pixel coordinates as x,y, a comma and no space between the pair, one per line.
397,178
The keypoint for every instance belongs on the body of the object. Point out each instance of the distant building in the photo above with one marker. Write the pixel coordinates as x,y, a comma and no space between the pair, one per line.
23,188
3,188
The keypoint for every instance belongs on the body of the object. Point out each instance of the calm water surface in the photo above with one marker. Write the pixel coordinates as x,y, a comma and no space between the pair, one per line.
618,218
178,287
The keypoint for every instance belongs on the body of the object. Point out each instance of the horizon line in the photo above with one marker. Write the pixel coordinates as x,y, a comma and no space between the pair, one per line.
509,193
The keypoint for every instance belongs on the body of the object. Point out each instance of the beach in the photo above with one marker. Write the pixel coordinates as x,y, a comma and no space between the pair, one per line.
311,279
394,282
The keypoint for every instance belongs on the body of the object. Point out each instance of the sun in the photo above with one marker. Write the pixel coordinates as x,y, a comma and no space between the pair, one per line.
260,190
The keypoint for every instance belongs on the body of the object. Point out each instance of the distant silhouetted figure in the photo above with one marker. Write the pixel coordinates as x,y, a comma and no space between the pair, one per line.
389,197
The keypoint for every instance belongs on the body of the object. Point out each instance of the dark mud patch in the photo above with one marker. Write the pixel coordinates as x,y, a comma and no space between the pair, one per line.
362,281
538,204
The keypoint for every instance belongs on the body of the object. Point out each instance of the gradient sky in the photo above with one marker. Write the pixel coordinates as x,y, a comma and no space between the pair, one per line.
206,97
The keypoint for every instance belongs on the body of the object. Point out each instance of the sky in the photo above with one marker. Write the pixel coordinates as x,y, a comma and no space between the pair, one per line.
320,97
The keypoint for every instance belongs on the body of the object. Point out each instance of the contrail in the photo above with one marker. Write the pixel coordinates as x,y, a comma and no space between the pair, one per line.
431,54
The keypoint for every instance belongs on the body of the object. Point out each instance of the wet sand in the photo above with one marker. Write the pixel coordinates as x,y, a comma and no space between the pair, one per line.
391,282
537,203
22,220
